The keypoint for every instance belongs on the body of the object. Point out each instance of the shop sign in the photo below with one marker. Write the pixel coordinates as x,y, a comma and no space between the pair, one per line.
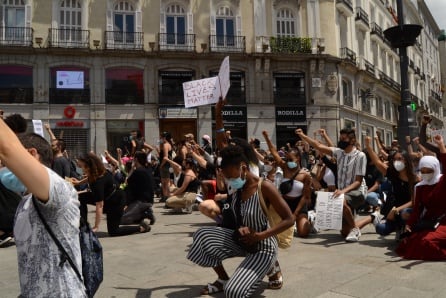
76,124
291,114
175,113
232,114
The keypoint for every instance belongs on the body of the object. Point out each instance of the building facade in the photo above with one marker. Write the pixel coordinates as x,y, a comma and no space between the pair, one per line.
95,70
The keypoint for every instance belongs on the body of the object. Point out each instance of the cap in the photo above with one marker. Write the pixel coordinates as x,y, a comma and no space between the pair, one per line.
207,138
189,135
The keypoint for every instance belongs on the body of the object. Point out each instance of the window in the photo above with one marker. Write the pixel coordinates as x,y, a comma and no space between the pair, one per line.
170,86
69,85
124,86
14,20
347,93
365,96
387,111
16,84
176,25
236,94
289,88
124,23
285,24
349,124
379,106
225,27
70,22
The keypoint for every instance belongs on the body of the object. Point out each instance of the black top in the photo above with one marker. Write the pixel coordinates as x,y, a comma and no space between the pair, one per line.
140,185
103,187
400,188
62,166
191,187
372,175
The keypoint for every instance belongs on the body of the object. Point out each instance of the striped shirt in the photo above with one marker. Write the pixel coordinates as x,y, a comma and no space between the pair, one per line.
350,165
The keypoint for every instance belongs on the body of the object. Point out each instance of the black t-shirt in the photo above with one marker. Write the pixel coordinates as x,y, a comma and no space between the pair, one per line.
62,166
400,188
372,175
140,185
103,187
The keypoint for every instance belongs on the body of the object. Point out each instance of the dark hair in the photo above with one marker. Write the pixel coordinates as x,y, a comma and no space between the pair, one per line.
348,131
248,151
232,155
141,157
61,144
94,165
409,168
17,123
138,134
167,136
33,140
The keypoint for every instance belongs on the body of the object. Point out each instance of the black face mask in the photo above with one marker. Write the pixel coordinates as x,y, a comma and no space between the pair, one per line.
343,144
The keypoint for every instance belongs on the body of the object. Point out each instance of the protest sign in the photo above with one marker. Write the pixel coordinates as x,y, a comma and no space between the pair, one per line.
329,211
207,91
38,127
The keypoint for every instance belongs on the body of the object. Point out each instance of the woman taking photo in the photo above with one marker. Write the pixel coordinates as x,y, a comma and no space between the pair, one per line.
245,231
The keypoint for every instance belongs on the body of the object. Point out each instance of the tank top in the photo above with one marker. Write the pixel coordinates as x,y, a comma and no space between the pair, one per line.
296,190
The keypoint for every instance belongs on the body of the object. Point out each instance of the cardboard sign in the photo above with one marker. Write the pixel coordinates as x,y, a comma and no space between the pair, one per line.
207,91
329,211
38,127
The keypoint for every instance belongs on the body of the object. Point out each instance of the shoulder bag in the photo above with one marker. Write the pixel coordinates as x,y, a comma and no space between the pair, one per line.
286,186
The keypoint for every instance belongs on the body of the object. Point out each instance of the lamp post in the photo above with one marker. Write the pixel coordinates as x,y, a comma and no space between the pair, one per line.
401,37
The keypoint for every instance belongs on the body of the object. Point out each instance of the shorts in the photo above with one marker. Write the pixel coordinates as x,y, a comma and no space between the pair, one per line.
293,203
164,171
354,199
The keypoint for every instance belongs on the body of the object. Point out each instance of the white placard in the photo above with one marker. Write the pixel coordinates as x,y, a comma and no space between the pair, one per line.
223,78
200,92
38,127
329,211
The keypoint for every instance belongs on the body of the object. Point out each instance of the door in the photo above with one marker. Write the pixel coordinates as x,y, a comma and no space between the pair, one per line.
179,127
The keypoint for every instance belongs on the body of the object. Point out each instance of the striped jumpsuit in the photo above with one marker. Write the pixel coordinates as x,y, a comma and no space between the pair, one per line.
212,245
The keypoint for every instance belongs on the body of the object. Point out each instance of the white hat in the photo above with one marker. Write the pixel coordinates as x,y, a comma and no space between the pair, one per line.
207,138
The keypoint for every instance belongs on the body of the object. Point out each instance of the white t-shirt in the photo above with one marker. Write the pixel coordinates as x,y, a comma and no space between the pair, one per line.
38,255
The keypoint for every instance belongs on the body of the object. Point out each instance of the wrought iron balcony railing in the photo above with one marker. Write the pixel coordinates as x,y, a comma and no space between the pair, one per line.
227,43
361,15
124,96
16,95
348,101
176,42
345,6
290,45
123,40
289,95
68,38
68,96
16,36
369,67
378,31
348,54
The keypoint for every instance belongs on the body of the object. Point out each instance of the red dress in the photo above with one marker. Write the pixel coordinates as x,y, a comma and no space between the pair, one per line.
427,245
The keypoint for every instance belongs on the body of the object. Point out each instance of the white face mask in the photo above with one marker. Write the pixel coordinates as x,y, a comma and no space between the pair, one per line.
427,177
218,161
267,168
171,170
399,165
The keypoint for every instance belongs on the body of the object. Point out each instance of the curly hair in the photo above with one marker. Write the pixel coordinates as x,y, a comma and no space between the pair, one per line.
94,165
233,155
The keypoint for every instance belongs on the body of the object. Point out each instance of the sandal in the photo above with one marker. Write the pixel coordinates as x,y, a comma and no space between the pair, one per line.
215,287
275,281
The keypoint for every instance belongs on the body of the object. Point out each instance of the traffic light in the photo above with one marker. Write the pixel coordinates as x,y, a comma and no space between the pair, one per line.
413,106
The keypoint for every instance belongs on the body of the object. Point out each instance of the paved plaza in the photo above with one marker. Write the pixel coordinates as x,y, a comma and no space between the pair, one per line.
154,265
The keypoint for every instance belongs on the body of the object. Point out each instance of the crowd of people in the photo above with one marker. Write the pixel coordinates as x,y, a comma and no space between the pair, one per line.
397,188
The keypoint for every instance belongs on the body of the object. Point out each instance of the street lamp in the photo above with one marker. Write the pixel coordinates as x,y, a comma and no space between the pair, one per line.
401,37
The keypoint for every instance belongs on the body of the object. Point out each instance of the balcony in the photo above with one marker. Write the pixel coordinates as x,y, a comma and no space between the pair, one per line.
362,19
16,36
411,64
369,67
418,72
387,80
435,95
348,54
290,45
16,95
121,40
68,38
289,95
124,96
176,42
227,43
69,96
377,33
423,76
345,7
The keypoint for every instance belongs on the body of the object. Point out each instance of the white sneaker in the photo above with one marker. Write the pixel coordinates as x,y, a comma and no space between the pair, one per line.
312,220
354,235
376,218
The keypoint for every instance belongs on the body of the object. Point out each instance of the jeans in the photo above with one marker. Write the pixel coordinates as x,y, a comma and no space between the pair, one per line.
389,226
373,199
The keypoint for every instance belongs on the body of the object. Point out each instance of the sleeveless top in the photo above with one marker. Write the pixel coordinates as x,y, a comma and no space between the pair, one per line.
296,190
169,153
192,186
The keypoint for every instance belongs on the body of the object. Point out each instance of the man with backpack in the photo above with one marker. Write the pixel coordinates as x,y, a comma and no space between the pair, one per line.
42,271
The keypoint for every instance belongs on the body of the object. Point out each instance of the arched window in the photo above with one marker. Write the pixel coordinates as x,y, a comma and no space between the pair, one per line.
176,25
285,23
124,22
70,21
225,26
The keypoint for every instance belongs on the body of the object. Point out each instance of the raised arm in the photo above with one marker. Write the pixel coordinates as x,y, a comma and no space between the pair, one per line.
219,127
24,163
50,132
327,139
317,145
279,161
381,166
423,139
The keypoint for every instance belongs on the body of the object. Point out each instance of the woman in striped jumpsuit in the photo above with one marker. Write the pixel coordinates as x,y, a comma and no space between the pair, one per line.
212,245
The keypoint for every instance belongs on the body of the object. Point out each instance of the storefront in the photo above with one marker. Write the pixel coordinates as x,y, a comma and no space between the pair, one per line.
234,119
178,121
288,119
75,133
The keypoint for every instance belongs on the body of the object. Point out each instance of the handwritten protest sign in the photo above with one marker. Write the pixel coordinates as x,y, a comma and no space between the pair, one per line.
329,211
38,127
207,91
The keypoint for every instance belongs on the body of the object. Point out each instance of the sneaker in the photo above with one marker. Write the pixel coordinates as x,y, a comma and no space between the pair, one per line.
4,239
145,226
354,235
312,220
376,218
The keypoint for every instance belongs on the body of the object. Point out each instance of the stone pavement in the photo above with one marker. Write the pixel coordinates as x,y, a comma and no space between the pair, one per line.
324,266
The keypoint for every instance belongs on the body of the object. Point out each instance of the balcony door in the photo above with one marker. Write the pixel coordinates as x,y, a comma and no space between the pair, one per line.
124,23
225,27
176,25
14,20
70,22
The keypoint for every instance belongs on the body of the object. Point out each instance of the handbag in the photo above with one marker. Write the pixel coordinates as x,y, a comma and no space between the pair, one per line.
91,253
286,186
283,238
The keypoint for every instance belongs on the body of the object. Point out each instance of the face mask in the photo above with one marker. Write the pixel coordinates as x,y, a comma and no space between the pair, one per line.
291,164
399,165
343,144
171,170
427,177
218,161
11,182
236,183
267,168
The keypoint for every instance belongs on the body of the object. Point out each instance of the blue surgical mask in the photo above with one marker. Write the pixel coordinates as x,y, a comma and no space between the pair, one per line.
291,164
11,182
235,183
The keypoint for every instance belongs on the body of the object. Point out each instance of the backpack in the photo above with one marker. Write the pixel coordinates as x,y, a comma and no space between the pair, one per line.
283,238
91,252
